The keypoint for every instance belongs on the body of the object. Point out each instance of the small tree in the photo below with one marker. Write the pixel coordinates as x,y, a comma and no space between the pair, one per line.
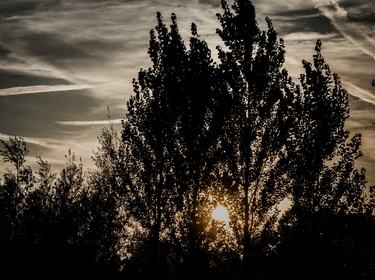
39,213
66,205
16,184
104,200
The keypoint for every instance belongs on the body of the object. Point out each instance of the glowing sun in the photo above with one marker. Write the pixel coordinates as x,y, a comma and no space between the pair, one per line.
221,214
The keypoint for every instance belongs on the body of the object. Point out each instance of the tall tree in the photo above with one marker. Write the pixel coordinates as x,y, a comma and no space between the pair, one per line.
320,128
171,133
259,129
204,107
328,193
148,136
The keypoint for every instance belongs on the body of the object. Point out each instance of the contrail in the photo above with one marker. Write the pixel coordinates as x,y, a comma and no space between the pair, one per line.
81,123
360,93
299,36
40,88
339,18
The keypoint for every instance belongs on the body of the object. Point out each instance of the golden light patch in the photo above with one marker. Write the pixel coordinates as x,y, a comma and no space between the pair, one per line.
221,214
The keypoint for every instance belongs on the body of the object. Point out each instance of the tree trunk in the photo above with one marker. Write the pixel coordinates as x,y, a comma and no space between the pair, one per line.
194,266
246,236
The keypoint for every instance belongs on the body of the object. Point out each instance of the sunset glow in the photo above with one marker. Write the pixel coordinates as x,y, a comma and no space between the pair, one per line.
221,214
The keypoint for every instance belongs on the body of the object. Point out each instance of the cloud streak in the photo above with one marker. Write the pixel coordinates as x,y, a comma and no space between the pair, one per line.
307,36
53,46
83,123
40,88
360,93
339,19
33,140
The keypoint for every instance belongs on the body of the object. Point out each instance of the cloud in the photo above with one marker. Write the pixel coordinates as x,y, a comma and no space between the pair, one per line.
360,93
307,36
91,41
11,8
352,31
214,3
59,45
271,7
36,141
40,88
82,123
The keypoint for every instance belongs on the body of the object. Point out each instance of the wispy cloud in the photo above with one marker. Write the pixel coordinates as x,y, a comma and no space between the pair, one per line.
352,31
360,93
103,44
40,88
82,123
307,36
36,141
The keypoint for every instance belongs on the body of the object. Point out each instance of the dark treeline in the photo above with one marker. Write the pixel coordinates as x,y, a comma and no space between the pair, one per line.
197,134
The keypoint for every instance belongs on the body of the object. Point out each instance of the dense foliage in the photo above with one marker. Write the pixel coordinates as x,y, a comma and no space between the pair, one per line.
198,134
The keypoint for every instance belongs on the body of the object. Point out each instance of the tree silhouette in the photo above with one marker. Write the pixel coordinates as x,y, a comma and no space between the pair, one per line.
171,133
320,128
241,129
148,136
53,231
104,201
16,183
204,109
328,193
12,195
259,129
39,213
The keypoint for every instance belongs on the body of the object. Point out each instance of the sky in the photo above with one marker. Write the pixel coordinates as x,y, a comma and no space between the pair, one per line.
64,62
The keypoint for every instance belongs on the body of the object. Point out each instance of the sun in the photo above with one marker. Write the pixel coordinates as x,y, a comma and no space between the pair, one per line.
221,214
